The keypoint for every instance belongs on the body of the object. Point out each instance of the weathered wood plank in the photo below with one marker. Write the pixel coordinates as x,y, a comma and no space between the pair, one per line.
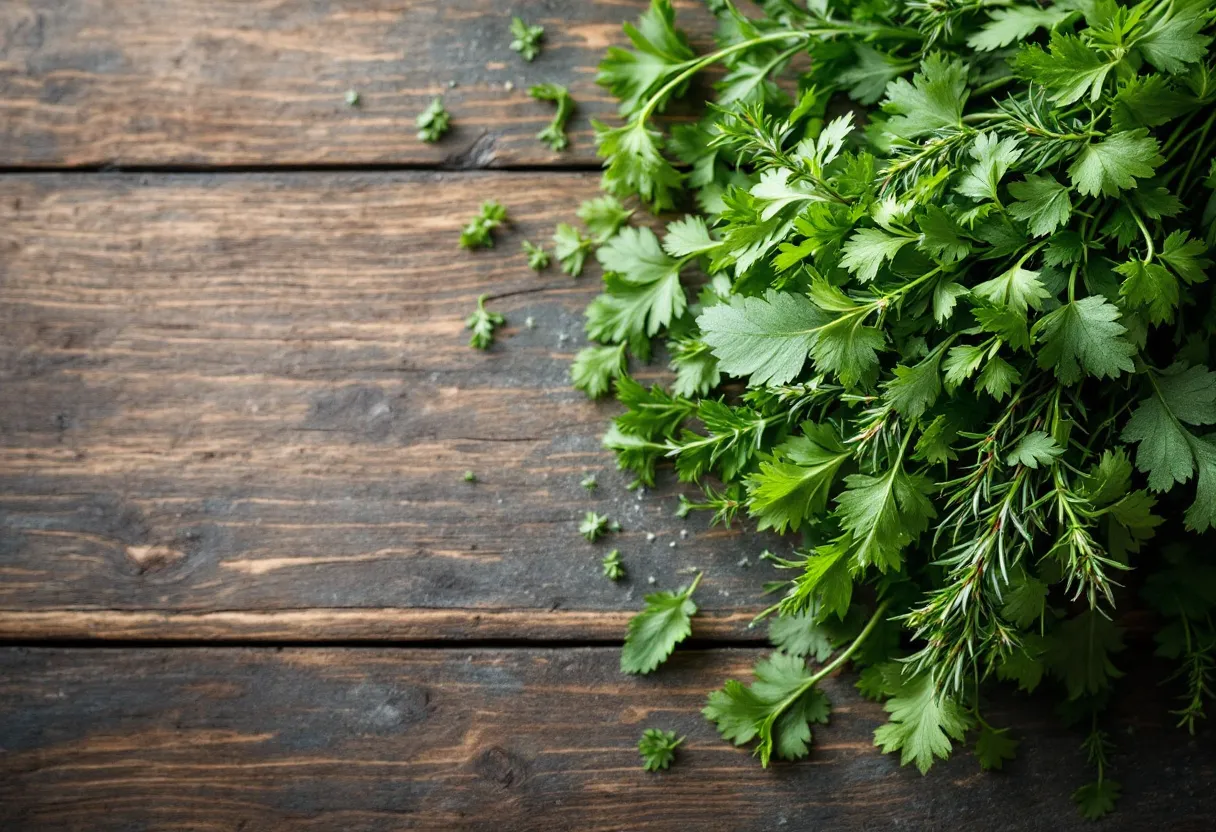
353,625
385,739
243,405
261,82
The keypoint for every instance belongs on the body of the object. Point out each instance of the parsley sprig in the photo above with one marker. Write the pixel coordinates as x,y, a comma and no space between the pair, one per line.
476,233
658,748
655,632
483,322
554,133
433,122
526,38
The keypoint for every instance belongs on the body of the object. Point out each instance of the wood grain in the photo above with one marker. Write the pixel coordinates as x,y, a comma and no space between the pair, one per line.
387,739
466,624
248,400
261,82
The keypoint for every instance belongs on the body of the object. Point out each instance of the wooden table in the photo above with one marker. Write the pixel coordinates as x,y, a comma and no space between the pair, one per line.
243,584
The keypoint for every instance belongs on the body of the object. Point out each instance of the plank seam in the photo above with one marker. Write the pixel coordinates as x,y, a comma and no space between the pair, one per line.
337,167
691,645
417,626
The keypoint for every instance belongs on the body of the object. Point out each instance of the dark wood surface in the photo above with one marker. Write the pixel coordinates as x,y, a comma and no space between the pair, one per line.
518,739
236,404
261,82
244,404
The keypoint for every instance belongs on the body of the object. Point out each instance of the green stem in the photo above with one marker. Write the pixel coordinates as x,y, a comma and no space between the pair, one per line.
693,586
777,61
907,287
1170,145
1148,238
696,65
865,310
831,29
1185,182
993,85
1026,255
831,666
848,652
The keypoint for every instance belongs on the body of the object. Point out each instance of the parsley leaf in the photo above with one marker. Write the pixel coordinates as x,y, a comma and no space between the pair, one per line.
612,567
476,233
642,283
594,368
778,708
554,133
526,39
1151,286
868,249
1072,70
604,216
1016,288
658,748
913,390
933,100
884,513
483,322
1097,799
433,122
765,338
593,526
660,49
1185,257
1147,101
571,248
1013,24
923,720
636,252
1042,203
1034,449
538,258
867,79
1168,451
1083,337
993,747
800,635
1173,38
655,631
687,237
1113,164
696,368
792,485
993,157
636,164
1080,653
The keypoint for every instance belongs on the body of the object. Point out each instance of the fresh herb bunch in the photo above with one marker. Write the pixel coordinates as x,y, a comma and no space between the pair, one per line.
958,263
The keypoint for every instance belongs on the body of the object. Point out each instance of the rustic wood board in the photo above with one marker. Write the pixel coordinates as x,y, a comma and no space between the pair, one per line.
241,406
471,739
262,82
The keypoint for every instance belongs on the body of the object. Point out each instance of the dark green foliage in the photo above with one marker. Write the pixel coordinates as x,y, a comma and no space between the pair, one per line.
968,344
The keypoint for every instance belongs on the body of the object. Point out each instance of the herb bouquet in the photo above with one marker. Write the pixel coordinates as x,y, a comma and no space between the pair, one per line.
958,260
